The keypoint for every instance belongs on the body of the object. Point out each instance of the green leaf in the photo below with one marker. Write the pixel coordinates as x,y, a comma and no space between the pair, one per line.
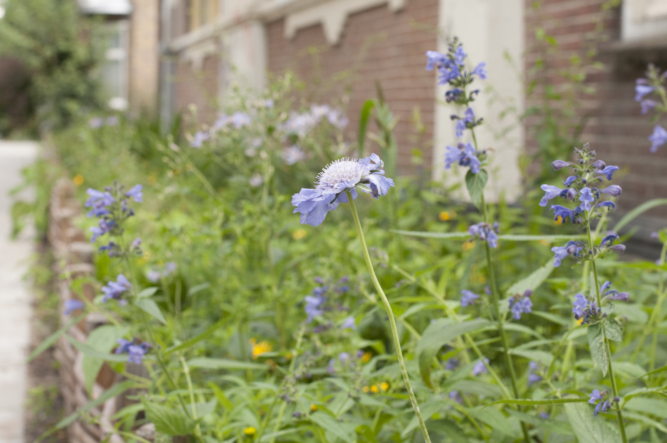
475,184
148,292
51,339
222,363
629,370
541,356
168,421
533,281
364,116
328,423
102,339
638,392
200,287
657,371
559,427
613,330
495,419
553,318
106,395
651,406
638,211
438,334
528,402
597,347
87,350
193,341
152,308
588,428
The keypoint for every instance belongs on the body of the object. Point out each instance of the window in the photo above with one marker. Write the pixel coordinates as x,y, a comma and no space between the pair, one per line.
644,20
115,69
200,13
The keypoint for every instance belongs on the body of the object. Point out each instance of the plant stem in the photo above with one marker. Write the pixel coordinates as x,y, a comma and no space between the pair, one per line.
501,318
392,321
612,378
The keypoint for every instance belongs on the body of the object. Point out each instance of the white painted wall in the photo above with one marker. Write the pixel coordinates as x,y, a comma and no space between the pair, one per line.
487,28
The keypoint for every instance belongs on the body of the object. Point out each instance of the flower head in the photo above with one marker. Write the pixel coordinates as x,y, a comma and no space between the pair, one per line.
533,378
464,155
641,90
603,403
99,202
114,289
485,232
480,367
608,171
613,190
314,305
521,304
560,252
480,71
658,138
468,298
134,349
586,198
349,323
342,175
72,305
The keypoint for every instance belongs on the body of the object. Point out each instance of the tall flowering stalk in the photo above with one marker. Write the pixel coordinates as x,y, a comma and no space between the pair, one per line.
452,72
581,188
338,183
651,95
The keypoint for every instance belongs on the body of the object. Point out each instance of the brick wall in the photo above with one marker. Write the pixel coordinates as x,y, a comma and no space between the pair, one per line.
376,44
144,55
616,129
197,86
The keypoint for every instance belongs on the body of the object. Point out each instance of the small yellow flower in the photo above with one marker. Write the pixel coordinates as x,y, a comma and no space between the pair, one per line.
384,385
375,389
299,234
580,321
313,408
365,389
259,348
78,179
250,431
446,216
467,246
366,357
559,220
289,356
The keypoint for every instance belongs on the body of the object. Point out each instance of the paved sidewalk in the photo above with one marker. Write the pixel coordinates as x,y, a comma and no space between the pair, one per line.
15,307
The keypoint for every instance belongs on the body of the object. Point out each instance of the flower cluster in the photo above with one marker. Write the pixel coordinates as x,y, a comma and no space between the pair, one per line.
155,275
300,124
653,86
613,294
480,367
588,173
533,377
238,120
602,400
135,349
521,304
115,289
485,232
111,206
585,309
326,299
468,298
343,175
464,154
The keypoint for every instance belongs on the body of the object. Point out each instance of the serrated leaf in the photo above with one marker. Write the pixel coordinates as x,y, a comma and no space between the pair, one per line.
102,339
151,308
588,428
168,421
613,330
438,334
475,184
597,347
330,424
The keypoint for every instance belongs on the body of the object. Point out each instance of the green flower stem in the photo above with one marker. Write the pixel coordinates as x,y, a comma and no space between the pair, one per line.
500,317
612,378
392,321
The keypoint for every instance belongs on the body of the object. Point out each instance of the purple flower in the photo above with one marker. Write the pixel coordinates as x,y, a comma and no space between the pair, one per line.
452,364
658,138
611,238
72,305
521,304
135,193
434,58
480,70
532,376
459,56
641,90
586,198
462,123
560,164
337,118
552,192
480,367
608,171
103,227
240,119
613,294
314,305
453,95
343,357
99,201
448,72
468,298
545,415
485,233
454,395
562,212
464,155
568,181
560,252
607,204
349,323
342,175
579,306
613,190
647,105
603,405
199,139
135,350
114,289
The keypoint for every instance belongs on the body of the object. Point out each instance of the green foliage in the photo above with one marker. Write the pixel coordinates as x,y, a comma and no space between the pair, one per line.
61,51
